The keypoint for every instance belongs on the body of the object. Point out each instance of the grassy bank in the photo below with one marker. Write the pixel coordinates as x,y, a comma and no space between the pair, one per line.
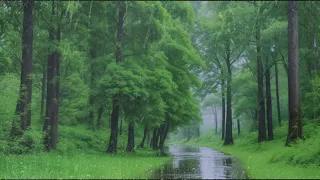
80,165
271,159
80,154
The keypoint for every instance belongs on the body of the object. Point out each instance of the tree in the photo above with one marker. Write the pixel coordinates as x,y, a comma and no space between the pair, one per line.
295,118
23,108
53,82
112,147
261,106
269,99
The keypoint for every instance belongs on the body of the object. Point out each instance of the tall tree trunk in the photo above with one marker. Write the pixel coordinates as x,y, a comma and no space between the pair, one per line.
163,136
120,129
269,100
277,92
238,122
112,147
130,145
295,119
23,108
223,122
43,91
145,132
148,135
228,136
155,139
261,108
53,87
100,111
197,129
216,120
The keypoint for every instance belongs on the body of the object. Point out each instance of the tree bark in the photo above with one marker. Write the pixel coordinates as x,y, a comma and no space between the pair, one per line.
197,130
120,128
100,111
261,108
238,122
223,122
112,147
148,135
155,139
163,136
130,145
295,119
269,100
145,132
216,120
228,140
277,92
23,107
43,91
53,87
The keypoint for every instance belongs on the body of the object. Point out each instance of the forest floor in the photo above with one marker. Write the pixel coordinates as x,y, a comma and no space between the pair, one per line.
80,154
271,159
80,165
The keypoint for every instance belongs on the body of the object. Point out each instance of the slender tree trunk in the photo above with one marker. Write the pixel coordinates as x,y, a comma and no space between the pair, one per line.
197,129
216,120
112,147
148,135
163,136
156,142
43,91
223,122
295,119
145,132
155,139
53,87
120,129
100,111
228,140
277,92
130,145
269,100
23,108
238,122
261,108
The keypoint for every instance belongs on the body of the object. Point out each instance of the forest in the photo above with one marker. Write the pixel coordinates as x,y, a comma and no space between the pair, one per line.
103,89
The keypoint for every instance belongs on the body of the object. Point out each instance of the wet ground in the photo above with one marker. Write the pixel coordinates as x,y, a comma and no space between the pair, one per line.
200,163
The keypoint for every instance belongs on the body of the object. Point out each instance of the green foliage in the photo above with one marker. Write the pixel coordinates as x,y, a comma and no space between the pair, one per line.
312,98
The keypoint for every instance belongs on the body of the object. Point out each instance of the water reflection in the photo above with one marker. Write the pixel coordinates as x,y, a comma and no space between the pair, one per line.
200,163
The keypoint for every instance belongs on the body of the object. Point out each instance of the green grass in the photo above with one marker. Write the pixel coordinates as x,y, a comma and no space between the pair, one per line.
272,159
80,154
80,165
